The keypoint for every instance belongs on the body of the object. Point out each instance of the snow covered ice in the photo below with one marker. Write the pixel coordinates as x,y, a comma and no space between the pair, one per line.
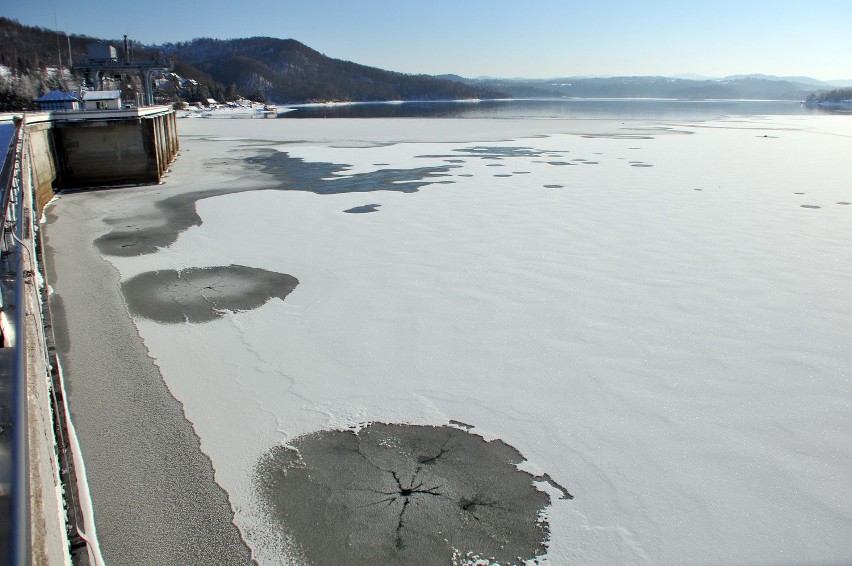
658,316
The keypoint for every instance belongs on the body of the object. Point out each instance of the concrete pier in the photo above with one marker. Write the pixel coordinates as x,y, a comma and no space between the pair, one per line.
77,149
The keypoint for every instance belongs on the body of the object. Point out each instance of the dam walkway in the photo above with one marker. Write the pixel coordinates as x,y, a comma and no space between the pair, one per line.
46,514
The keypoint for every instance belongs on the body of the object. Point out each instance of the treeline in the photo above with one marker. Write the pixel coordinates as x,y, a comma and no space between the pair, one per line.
834,95
206,87
31,58
24,49
38,60
284,70
18,91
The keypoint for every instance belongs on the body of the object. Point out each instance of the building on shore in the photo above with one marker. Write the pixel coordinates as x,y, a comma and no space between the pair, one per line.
58,100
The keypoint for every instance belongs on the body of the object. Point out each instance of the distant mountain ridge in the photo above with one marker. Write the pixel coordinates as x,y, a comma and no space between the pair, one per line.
736,87
683,86
798,80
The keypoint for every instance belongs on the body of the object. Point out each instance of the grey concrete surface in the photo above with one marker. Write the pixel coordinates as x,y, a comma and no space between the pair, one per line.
154,494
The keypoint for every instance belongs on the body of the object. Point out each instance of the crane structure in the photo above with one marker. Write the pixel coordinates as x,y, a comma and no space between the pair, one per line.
103,64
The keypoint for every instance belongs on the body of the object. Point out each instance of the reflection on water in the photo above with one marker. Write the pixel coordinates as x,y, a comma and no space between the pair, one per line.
640,109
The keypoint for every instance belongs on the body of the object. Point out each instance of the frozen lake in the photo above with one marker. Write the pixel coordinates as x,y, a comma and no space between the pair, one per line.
647,322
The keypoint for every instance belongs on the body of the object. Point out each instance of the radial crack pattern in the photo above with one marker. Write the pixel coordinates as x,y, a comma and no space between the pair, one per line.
404,494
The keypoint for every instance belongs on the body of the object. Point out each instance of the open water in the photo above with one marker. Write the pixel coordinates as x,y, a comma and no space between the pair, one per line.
627,109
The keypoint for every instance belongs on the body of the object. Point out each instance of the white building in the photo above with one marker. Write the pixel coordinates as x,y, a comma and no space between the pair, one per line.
102,100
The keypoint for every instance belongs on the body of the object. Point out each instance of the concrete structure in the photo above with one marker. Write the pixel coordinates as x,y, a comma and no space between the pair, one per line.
162,506
58,100
102,66
111,147
46,515
102,52
102,100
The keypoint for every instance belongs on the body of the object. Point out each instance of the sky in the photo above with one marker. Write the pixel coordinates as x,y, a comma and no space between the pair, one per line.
499,38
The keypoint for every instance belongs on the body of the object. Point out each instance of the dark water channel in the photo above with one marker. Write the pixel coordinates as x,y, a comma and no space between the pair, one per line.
592,108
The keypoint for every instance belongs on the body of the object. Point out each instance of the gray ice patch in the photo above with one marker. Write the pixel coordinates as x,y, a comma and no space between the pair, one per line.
202,294
134,235
397,494
296,174
363,209
141,234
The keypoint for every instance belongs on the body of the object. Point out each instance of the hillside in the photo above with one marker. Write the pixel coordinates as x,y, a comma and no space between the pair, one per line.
26,48
36,60
284,70
651,87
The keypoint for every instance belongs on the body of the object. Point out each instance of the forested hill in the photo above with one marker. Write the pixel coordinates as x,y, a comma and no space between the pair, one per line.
284,70
27,49
36,60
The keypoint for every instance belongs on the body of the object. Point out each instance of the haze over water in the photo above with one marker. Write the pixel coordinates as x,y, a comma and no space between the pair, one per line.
588,108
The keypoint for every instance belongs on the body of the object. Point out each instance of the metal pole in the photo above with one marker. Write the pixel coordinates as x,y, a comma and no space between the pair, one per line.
58,48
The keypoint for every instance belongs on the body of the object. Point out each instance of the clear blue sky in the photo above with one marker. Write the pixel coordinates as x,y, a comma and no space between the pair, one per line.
521,38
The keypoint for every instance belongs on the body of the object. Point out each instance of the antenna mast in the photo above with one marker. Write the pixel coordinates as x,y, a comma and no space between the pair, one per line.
58,48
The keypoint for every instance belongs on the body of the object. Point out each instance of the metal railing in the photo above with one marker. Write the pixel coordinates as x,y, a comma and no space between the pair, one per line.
18,267
13,232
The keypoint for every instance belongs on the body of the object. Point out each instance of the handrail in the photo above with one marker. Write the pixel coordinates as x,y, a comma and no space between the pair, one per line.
12,235
8,172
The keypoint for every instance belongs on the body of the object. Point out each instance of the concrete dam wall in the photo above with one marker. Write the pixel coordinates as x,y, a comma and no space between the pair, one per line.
79,149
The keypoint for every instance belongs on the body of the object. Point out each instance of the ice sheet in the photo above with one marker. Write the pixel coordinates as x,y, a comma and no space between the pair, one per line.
670,342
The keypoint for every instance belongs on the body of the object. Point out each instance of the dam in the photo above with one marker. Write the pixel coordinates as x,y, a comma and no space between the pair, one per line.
74,149
45,510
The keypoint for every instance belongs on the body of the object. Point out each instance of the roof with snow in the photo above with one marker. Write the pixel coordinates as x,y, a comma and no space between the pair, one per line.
57,96
101,94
